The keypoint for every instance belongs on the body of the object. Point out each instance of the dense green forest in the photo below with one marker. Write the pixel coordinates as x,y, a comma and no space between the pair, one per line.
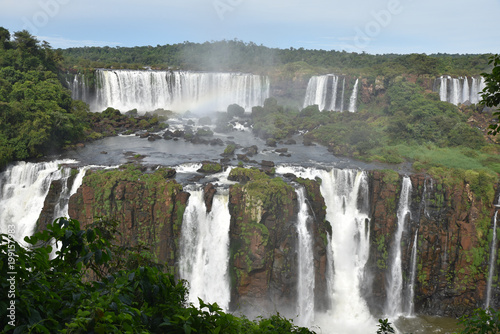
236,55
37,114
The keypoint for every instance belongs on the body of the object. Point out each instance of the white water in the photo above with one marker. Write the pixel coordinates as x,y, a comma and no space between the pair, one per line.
306,279
410,308
61,208
324,90
346,197
493,253
175,90
394,304
23,188
205,250
354,97
459,90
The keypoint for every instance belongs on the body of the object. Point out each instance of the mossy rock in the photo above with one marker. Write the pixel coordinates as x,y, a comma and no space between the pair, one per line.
210,168
229,150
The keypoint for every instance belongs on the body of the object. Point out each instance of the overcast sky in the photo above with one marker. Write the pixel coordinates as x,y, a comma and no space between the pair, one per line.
372,26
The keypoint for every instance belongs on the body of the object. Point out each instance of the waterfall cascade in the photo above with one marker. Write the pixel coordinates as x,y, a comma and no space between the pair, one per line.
346,197
493,253
305,288
328,92
23,188
204,244
459,90
394,304
172,90
410,307
354,97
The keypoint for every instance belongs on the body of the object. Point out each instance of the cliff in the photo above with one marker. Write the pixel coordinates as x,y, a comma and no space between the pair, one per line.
149,207
452,221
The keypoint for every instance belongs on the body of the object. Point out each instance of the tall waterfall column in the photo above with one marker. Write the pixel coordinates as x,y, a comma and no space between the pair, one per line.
394,303
205,249
305,288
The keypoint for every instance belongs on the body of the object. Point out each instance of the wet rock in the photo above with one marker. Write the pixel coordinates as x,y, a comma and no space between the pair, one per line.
267,163
208,195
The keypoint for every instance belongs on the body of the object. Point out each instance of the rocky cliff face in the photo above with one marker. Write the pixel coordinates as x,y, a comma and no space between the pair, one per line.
453,223
149,207
452,227
264,241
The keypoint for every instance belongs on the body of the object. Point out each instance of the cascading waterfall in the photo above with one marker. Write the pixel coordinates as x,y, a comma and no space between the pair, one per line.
493,253
23,188
459,90
204,254
305,288
346,197
350,244
61,208
394,304
324,91
410,309
354,97
176,90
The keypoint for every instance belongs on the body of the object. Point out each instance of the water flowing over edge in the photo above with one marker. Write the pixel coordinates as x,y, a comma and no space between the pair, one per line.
171,90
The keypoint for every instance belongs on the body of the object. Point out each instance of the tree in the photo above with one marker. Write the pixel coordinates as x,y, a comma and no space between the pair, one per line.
491,93
130,293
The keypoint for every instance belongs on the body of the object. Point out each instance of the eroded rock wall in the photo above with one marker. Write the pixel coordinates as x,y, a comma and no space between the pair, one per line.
149,208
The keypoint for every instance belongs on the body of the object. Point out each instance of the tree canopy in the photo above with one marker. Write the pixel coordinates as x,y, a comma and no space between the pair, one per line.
37,114
491,93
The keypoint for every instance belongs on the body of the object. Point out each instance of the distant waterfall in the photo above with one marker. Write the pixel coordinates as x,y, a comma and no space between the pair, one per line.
354,97
410,309
23,188
328,92
459,90
493,254
204,254
173,90
306,279
394,303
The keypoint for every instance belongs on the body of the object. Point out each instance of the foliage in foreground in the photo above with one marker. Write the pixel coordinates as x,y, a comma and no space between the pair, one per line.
130,295
481,322
491,93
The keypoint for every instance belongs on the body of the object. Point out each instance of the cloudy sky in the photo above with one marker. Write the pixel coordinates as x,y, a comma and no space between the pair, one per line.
372,26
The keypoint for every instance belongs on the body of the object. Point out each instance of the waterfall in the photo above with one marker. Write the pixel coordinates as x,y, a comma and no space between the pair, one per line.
61,208
443,89
350,242
395,289
23,188
346,197
493,253
459,90
306,279
335,85
413,276
456,91
354,97
204,253
324,91
466,90
147,90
